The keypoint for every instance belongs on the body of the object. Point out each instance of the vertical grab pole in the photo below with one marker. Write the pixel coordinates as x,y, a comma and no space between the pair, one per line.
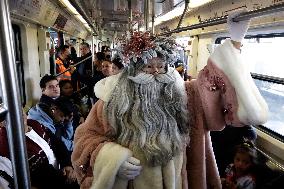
11,99
129,15
146,14
153,17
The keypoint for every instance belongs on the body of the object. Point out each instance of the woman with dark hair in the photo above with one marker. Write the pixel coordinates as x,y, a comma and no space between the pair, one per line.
66,90
117,65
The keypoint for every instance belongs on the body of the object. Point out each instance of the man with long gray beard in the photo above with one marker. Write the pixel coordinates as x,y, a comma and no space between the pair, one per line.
150,130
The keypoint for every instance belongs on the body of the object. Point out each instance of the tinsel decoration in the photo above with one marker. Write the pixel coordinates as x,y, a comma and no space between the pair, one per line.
137,44
142,45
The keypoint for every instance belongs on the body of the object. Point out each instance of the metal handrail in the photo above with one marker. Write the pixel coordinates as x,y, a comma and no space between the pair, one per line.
11,100
68,69
267,78
222,20
272,160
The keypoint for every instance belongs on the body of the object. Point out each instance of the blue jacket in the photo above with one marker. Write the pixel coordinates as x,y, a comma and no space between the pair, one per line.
36,113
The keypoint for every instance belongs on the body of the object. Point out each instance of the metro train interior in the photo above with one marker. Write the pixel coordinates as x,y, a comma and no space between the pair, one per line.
32,31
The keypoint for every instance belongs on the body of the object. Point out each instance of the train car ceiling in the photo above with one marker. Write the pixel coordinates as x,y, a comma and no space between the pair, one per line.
208,12
48,13
108,18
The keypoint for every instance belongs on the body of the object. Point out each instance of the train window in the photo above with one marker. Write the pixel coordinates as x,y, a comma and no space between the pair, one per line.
264,57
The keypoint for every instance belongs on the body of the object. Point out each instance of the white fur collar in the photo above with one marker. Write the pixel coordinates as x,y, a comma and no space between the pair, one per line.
252,107
104,87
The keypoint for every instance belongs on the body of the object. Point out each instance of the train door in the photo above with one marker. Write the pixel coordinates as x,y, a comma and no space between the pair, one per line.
19,61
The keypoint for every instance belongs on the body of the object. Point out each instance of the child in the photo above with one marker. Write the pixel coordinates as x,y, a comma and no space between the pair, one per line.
239,175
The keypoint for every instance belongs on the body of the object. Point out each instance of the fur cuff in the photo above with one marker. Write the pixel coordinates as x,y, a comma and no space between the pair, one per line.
252,109
106,166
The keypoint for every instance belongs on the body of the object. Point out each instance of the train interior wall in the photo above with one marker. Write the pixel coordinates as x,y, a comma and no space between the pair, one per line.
36,64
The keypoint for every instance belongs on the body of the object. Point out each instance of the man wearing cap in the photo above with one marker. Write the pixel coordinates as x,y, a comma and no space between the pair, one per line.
151,130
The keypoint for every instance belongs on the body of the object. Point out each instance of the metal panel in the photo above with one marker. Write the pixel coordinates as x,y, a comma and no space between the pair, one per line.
221,20
9,85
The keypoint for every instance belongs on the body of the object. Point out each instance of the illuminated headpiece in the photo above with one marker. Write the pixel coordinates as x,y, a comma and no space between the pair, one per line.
144,46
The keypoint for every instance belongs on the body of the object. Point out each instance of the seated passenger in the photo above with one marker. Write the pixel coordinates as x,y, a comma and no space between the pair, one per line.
6,173
50,91
45,156
240,174
57,119
66,90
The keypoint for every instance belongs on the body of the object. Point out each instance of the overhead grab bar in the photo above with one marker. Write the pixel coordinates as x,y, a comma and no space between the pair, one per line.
222,20
80,62
77,6
11,100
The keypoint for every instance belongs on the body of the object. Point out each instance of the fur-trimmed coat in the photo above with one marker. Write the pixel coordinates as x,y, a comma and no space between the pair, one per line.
224,93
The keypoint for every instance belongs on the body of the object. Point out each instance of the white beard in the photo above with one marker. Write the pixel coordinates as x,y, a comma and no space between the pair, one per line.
149,116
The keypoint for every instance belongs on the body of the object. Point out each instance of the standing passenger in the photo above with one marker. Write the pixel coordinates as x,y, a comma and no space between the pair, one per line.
117,65
107,68
62,65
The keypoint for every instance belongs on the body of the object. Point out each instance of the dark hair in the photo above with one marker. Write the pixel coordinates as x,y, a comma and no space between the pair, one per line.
65,105
46,79
105,48
118,62
85,44
160,55
178,63
64,82
63,48
100,56
107,57
247,147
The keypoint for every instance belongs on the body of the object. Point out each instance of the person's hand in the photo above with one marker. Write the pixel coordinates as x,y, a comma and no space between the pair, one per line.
69,172
81,120
68,118
226,184
238,29
129,169
72,68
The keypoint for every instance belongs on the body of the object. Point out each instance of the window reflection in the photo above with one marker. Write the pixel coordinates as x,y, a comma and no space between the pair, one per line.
264,55
274,96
